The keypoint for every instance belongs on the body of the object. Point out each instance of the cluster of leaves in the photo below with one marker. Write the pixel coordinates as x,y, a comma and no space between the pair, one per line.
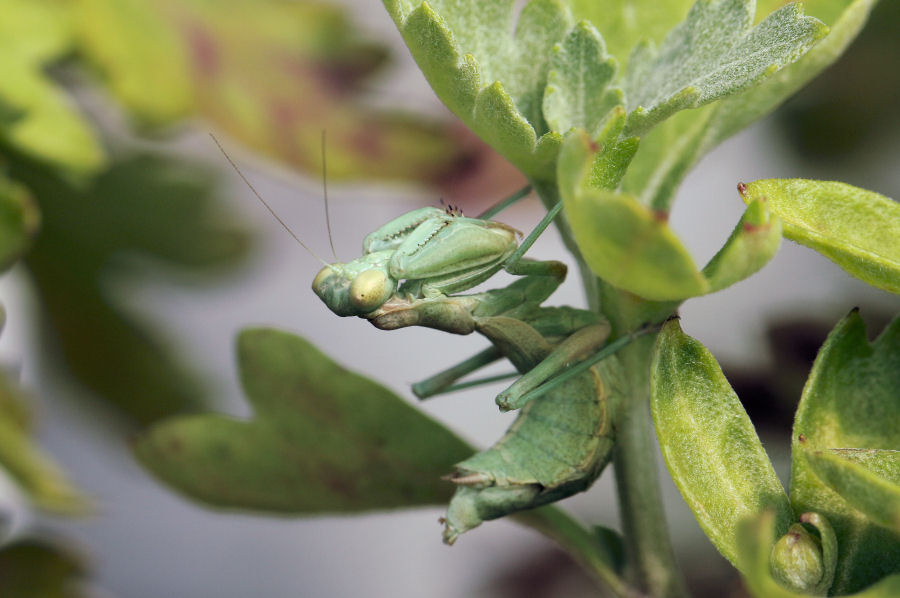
589,100
84,212
272,74
845,478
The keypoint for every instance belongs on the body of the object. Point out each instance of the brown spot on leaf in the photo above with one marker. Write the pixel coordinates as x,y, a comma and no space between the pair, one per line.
661,215
174,445
203,49
801,438
742,188
752,228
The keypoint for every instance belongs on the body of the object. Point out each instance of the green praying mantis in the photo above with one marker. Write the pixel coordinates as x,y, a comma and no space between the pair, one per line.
562,439
409,274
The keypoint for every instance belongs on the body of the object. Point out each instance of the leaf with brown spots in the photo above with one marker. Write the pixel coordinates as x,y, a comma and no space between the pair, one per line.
323,439
272,74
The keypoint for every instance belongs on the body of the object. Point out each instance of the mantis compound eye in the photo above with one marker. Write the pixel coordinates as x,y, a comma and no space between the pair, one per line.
370,290
323,275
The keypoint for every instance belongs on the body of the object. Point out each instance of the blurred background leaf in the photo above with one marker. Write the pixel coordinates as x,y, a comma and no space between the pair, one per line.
322,439
852,106
33,35
145,206
19,220
273,74
42,481
39,568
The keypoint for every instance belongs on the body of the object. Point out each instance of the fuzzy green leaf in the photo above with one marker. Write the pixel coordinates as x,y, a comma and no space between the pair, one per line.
857,229
873,491
708,442
621,240
674,146
322,439
578,94
19,220
754,242
625,23
851,400
488,75
756,535
715,52
33,35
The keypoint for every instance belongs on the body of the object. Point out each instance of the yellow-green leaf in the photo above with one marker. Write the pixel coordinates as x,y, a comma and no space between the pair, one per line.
874,491
39,117
858,230
756,537
623,241
851,401
709,443
42,480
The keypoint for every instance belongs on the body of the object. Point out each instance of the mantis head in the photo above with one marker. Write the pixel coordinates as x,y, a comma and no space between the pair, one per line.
358,287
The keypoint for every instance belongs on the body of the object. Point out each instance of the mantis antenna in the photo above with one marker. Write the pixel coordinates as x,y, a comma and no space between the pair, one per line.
266,204
325,190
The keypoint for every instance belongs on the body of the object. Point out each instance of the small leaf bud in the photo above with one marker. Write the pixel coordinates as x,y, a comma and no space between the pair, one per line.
796,560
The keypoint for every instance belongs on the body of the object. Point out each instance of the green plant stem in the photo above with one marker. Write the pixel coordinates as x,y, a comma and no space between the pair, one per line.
650,557
584,546
647,544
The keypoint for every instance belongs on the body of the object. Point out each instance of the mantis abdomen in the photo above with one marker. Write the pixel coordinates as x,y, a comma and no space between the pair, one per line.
556,447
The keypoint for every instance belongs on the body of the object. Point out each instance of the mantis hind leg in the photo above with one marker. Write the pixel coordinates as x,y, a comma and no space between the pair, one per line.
511,339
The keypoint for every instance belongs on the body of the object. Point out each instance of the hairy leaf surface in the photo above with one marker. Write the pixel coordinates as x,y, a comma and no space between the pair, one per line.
753,242
621,240
670,150
578,92
756,536
709,444
625,23
851,401
490,69
869,481
715,52
857,229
